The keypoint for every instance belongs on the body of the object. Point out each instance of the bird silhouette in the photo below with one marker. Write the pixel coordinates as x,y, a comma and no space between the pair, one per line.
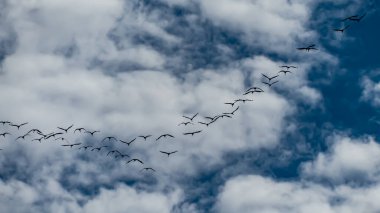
356,18
22,137
71,145
85,147
145,136
38,139
98,148
147,169
230,103
128,143
164,136
285,71
5,122
113,151
342,29
308,48
269,78
185,123
243,100
207,124
190,118
80,129
288,66
255,89
91,133
65,129
135,160
168,153
270,84
109,138
5,133
122,155
192,133
231,113
19,125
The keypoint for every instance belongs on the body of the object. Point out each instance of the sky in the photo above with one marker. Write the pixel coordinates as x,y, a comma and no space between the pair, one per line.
309,143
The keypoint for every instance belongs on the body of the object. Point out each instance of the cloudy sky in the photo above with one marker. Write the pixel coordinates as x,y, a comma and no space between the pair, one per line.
309,143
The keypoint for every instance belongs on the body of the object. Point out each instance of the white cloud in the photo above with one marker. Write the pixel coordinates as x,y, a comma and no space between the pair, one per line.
349,160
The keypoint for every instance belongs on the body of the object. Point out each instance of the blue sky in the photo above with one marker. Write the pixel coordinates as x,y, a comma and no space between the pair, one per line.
128,68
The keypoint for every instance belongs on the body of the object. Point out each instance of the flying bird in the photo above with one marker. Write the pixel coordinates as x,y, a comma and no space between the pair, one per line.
91,133
85,147
98,148
285,71
5,122
113,151
71,145
135,160
128,143
65,129
230,103
355,18
342,29
243,100
270,84
122,155
231,113
288,66
164,136
38,139
80,129
23,136
147,169
255,89
191,119
269,78
207,123
185,123
145,136
5,133
192,133
18,126
308,48
168,153
109,138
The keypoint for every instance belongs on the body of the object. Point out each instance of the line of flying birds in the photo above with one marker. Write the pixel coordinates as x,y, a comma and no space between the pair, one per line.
267,80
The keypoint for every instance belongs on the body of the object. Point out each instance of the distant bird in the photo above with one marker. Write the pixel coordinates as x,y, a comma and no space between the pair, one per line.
91,133
269,78
5,122
71,145
221,116
34,130
284,71
85,147
255,89
210,118
122,155
38,139
23,136
113,151
65,129
168,153
5,133
355,18
308,48
231,113
135,160
147,169
109,138
80,129
61,139
270,84
288,66
191,119
145,136
342,29
164,136
206,124
185,123
53,135
230,103
128,143
192,133
243,100
18,126
98,148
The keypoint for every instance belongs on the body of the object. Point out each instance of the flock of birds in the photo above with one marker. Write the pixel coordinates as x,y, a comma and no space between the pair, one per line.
61,132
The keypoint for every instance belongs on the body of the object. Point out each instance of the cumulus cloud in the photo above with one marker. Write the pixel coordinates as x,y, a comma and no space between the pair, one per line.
259,194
